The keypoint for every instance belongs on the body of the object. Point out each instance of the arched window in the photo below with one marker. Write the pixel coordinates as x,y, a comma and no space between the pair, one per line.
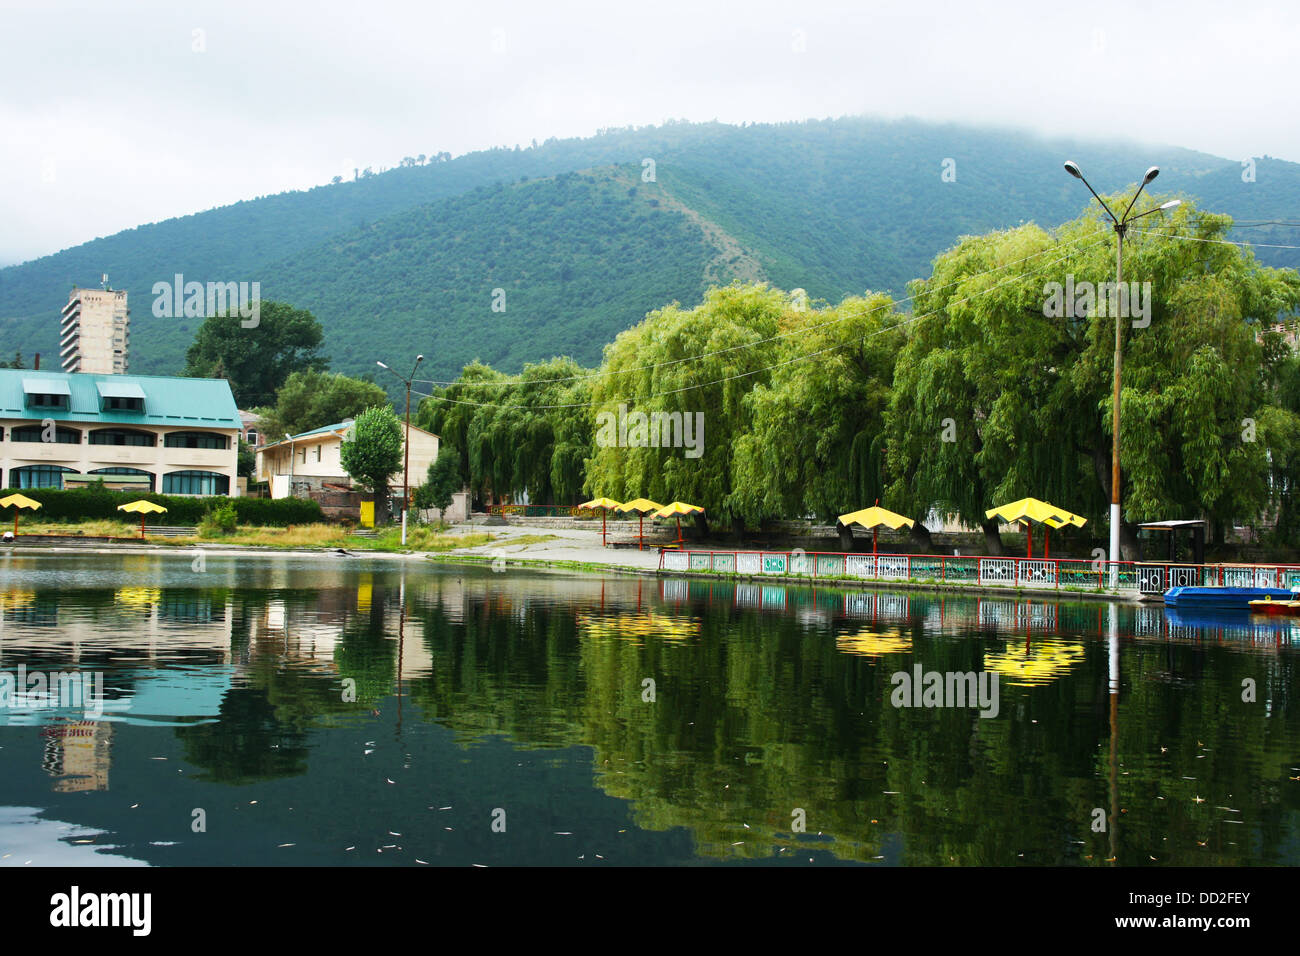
64,436
124,471
195,483
38,476
196,440
123,436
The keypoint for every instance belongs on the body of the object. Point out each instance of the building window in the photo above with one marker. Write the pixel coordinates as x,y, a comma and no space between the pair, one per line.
114,404
63,436
303,451
318,448
196,440
49,401
38,476
124,471
123,436
195,483
250,436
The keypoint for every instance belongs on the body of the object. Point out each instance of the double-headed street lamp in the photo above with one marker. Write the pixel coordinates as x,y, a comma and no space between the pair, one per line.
406,442
1121,226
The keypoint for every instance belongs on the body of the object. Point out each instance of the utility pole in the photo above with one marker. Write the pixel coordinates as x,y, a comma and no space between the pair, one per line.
406,442
1121,226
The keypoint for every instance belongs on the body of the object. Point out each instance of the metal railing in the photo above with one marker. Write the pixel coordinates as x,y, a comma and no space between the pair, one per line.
1144,577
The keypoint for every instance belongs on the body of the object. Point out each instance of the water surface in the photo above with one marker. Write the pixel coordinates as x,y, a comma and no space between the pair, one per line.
264,710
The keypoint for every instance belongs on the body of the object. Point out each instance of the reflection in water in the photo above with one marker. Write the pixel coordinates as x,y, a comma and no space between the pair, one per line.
355,699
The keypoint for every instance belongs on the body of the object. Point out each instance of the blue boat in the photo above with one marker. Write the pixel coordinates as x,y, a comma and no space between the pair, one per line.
1234,598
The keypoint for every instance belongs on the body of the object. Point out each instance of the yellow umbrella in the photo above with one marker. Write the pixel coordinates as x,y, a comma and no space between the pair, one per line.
643,507
16,502
606,505
1033,510
873,518
676,510
144,507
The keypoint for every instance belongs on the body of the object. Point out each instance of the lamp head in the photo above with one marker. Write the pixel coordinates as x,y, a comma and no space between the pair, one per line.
1171,204
1151,174
1072,168
381,365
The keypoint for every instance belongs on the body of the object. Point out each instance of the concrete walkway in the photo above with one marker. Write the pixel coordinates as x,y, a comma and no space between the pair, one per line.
566,544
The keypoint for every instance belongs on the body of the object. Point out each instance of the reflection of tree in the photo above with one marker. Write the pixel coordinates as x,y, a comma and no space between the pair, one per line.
248,744
366,654
757,715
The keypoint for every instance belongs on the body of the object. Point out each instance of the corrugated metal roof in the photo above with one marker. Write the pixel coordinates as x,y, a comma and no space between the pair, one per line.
45,385
337,427
169,401
119,389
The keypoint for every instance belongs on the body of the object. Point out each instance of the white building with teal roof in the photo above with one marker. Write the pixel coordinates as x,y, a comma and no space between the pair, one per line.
178,436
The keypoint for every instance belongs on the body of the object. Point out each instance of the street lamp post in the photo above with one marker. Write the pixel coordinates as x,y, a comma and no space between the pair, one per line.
1121,225
406,442
289,439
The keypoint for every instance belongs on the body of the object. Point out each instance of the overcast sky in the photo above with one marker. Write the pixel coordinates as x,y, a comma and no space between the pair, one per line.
121,112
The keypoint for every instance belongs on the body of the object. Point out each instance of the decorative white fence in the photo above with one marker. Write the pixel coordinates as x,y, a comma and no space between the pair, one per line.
1036,573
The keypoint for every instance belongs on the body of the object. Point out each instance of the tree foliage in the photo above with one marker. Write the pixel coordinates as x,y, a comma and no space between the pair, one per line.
256,360
372,451
313,399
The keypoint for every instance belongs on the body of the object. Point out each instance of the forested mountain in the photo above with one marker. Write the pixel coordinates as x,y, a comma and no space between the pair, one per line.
407,260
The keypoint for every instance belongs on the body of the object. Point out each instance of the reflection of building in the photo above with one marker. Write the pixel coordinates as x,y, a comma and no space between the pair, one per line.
174,435
78,754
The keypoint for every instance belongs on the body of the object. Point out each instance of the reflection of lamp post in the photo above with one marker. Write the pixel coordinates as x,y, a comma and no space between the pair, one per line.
406,441
1121,226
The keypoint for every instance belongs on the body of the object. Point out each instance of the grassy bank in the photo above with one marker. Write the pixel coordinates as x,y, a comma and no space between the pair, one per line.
418,537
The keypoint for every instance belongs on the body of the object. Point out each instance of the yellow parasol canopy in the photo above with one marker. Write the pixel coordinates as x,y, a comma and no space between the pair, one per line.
19,501
876,516
16,502
1040,512
605,504
144,507
678,508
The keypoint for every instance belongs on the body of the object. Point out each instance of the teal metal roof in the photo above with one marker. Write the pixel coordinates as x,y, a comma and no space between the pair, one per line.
337,427
169,402
110,389
45,386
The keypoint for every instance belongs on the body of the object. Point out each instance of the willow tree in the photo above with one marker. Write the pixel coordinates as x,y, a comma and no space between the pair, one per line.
688,368
521,433
1004,387
815,444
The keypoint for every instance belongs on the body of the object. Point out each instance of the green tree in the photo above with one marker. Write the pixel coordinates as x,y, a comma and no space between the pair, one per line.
372,453
815,445
311,399
699,363
17,361
256,360
441,482
1000,394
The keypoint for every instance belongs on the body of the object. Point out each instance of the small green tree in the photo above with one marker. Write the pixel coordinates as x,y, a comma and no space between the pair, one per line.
372,453
441,482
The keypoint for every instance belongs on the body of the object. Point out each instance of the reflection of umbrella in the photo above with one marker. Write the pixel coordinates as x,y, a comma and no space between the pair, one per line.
676,510
1032,510
869,643
643,507
605,505
873,518
16,502
144,507
1044,662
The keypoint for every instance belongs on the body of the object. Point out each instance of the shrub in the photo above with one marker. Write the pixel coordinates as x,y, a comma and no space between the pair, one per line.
218,519
98,503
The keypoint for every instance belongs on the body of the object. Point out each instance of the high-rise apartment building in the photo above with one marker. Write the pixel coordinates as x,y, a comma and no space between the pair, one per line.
95,332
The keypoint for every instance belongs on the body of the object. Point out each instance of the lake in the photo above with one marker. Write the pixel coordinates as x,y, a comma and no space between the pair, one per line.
332,711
